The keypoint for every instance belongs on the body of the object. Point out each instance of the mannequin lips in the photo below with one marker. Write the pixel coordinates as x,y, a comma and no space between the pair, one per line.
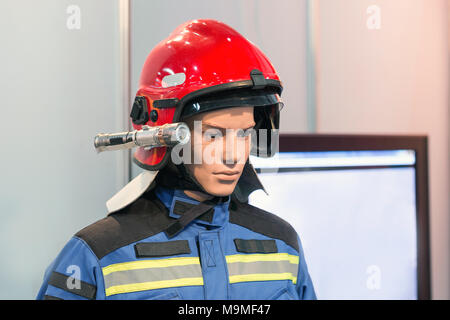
228,172
229,175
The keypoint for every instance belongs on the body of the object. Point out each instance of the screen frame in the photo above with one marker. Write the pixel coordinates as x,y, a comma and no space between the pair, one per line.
355,142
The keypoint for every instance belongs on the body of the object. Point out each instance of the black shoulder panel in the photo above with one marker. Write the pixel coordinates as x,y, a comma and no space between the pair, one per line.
143,218
263,222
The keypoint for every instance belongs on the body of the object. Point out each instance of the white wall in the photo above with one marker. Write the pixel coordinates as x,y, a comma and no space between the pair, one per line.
392,80
58,89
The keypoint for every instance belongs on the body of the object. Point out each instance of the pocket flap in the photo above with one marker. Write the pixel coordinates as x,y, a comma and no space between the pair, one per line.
161,249
256,246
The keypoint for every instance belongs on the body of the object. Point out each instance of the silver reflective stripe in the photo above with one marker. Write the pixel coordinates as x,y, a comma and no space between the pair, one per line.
152,274
262,267
241,268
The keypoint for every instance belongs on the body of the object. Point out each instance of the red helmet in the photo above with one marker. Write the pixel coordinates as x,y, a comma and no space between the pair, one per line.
203,65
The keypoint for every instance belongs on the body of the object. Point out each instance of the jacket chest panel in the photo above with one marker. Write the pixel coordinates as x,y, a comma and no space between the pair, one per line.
212,265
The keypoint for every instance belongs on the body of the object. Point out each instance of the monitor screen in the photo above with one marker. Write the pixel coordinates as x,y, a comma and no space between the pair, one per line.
355,212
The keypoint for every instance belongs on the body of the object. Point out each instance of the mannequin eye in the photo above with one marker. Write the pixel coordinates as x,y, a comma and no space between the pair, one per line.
243,133
212,134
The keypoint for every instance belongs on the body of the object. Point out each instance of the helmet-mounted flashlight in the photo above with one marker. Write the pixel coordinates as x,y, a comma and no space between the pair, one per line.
167,135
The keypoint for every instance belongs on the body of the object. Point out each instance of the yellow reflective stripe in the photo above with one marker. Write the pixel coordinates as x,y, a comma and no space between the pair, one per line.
143,264
263,277
153,285
262,257
270,257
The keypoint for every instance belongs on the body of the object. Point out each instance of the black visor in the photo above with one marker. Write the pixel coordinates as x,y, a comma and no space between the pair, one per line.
267,105
228,99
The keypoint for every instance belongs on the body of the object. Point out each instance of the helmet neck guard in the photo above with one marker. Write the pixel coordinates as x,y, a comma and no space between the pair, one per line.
178,177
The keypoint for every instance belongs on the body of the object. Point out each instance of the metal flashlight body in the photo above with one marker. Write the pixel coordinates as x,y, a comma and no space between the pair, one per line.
167,135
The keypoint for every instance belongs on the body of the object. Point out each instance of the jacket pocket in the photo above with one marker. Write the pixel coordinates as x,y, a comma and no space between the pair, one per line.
282,294
173,295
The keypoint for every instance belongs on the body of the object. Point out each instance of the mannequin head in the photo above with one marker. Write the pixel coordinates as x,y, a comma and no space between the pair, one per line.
220,147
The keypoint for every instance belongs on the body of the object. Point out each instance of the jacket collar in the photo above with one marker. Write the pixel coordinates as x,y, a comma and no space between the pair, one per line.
177,202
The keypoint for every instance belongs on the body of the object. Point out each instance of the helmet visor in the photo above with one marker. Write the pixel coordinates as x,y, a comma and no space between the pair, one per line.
267,106
255,98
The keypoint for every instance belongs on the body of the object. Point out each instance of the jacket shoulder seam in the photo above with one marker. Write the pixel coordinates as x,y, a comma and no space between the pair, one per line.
140,220
272,226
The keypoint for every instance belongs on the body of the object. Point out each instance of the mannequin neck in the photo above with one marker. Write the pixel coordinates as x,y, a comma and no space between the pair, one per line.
197,195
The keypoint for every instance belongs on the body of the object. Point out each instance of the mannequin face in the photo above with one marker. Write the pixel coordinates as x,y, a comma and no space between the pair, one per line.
220,147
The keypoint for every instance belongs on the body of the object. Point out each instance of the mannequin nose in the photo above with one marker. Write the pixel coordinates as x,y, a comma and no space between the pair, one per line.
234,149
230,156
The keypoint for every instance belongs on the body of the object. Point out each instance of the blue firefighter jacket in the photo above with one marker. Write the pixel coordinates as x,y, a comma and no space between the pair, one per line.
236,251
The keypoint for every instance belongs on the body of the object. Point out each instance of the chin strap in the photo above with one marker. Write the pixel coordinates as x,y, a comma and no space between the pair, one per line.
248,182
192,214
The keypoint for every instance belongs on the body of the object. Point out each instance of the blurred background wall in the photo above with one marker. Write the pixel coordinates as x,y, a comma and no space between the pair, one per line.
383,67
59,87
70,69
